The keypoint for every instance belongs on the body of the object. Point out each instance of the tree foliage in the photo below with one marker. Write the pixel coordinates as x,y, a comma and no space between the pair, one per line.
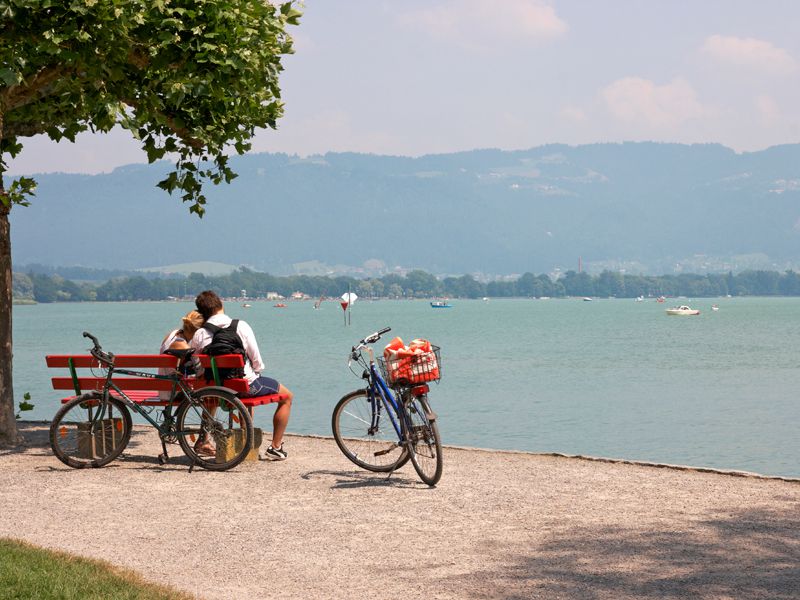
190,79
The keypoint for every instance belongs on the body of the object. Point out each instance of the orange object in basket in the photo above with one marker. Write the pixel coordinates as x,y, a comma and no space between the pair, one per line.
415,363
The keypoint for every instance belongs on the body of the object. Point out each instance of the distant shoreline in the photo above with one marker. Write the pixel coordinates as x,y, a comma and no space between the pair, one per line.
668,299
245,285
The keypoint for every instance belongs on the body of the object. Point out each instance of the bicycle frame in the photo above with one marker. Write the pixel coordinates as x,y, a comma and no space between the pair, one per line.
178,384
378,388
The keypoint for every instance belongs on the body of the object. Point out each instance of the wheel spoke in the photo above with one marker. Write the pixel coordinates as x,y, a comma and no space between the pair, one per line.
375,448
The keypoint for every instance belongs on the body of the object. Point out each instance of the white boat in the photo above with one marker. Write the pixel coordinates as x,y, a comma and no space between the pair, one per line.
714,307
683,311
246,305
639,299
587,299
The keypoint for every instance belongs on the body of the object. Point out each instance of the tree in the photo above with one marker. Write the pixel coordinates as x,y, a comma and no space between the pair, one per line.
420,283
190,80
22,286
610,284
526,285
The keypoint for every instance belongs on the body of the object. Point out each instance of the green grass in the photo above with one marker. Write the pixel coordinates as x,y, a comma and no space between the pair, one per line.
28,572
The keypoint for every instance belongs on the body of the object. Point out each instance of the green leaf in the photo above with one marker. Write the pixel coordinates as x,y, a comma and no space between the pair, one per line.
9,76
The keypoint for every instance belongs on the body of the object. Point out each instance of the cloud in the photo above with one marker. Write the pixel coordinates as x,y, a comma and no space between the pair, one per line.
476,22
767,109
641,101
573,113
750,53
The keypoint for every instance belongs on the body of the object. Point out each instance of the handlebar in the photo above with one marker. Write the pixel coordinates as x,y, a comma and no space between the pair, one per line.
370,339
106,358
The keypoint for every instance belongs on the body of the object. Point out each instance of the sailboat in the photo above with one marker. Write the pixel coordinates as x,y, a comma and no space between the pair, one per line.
318,302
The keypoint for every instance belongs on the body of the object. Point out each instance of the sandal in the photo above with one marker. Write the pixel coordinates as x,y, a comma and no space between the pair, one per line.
205,448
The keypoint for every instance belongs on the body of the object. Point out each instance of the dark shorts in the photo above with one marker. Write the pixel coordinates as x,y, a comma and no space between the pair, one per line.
262,386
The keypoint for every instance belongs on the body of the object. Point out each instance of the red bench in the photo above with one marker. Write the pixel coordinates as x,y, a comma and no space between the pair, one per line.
144,390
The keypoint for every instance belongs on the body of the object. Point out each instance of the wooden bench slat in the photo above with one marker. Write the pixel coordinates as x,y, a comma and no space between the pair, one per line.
124,361
136,383
150,398
126,383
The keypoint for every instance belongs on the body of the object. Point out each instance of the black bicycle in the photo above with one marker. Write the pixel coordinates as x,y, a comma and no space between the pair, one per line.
94,428
382,426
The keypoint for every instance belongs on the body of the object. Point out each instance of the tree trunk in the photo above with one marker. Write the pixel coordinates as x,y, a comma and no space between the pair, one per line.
8,423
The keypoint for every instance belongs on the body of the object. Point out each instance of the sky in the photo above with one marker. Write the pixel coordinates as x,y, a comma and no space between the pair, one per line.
417,77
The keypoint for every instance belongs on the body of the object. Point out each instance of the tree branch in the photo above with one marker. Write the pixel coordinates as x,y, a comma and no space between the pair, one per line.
24,129
181,132
36,88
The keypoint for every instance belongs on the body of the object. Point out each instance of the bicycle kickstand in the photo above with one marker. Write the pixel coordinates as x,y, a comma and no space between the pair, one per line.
392,471
163,458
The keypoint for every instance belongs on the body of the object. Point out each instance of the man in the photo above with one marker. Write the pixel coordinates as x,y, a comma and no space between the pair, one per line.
209,304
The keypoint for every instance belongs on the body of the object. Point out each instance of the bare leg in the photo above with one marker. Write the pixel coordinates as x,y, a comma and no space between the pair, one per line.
281,418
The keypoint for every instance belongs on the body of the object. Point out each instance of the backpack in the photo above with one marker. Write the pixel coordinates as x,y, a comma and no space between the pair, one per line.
224,341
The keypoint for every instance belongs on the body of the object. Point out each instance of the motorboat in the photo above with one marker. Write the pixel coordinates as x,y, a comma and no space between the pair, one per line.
441,304
714,307
587,299
682,311
246,305
279,305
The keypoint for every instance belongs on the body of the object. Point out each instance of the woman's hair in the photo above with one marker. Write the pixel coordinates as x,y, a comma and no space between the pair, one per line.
191,323
208,303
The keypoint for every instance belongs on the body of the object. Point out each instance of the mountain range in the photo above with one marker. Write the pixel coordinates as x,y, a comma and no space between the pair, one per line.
641,207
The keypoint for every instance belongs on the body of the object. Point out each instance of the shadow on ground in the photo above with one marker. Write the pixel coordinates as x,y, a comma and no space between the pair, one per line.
741,554
358,479
33,434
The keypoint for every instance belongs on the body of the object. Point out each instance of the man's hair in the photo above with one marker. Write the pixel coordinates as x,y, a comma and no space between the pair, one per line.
208,303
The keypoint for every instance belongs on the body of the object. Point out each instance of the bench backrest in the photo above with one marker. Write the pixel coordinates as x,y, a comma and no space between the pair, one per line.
80,384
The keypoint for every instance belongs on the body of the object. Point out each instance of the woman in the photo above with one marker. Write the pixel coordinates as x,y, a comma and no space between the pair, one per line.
178,339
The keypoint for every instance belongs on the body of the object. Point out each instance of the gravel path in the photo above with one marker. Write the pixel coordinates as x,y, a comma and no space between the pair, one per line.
499,525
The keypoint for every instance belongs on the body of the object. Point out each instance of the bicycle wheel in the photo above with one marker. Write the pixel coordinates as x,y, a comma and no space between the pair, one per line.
87,432
218,418
424,441
366,436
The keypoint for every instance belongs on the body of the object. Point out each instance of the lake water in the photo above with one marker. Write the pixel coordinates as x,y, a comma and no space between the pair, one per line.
613,378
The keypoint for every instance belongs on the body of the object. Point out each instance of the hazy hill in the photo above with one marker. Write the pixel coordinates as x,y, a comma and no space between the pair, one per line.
485,210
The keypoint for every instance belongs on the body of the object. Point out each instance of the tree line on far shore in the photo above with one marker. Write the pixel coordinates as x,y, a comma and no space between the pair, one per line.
41,287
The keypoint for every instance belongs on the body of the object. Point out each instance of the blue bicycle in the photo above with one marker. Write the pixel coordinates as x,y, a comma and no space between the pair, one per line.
383,426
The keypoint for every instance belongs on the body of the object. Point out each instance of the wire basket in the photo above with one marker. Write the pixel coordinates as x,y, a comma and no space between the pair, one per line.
412,369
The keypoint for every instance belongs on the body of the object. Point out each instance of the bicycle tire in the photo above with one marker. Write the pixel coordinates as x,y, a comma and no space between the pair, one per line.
80,440
424,442
379,451
200,417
